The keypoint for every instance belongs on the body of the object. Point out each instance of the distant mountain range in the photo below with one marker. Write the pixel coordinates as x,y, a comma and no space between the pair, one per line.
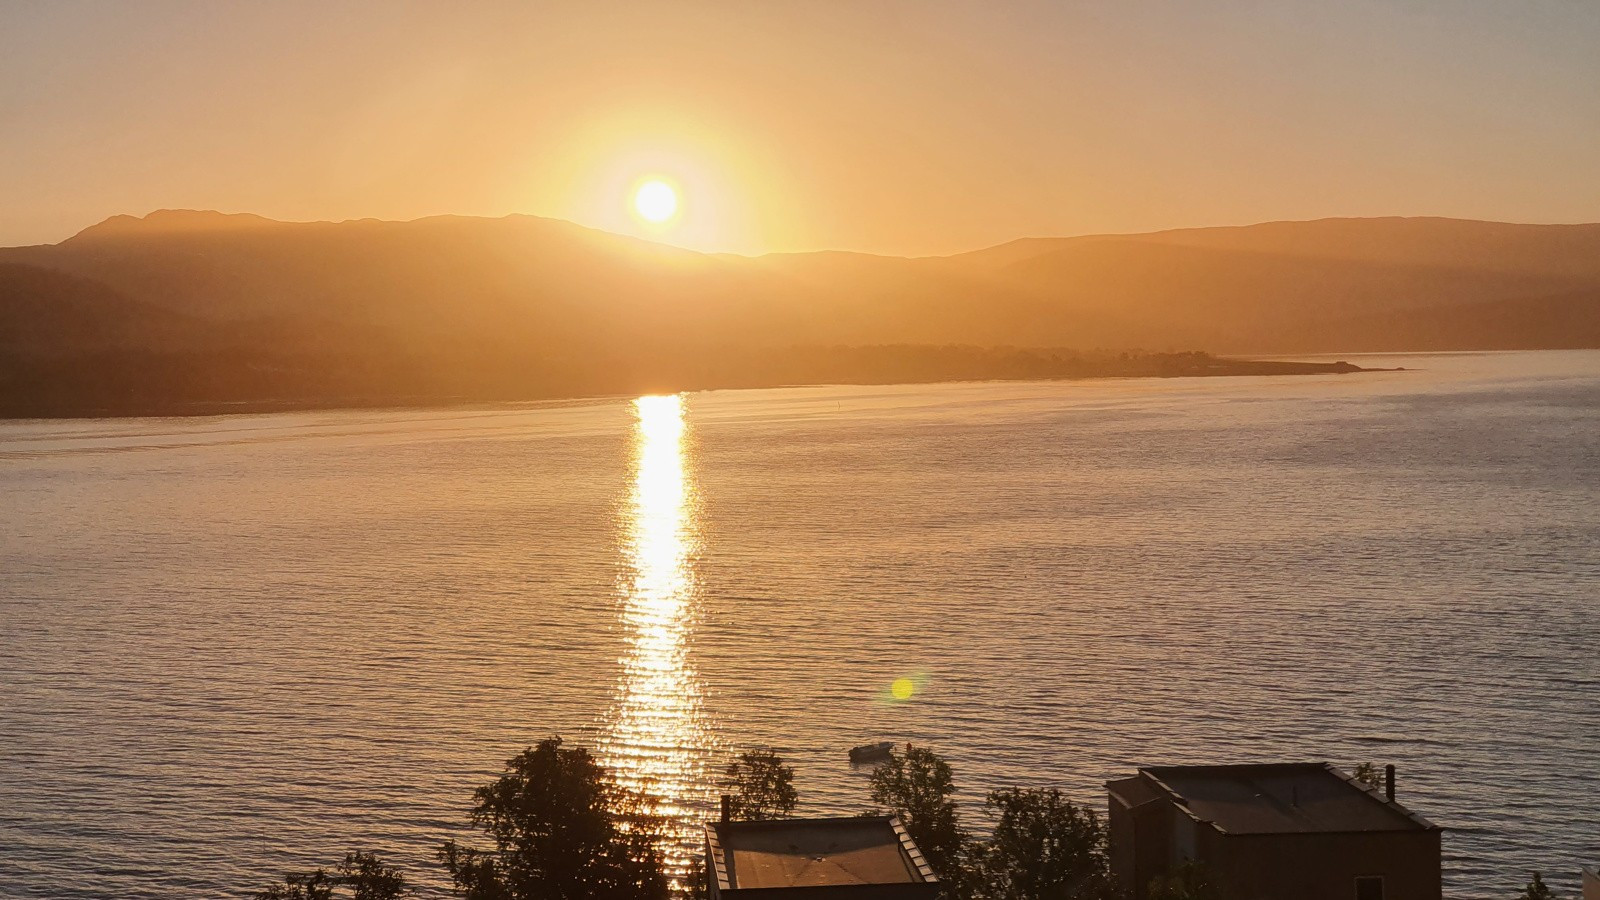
193,306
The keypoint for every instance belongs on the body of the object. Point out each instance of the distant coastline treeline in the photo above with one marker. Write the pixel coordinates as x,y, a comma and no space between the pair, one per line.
138,382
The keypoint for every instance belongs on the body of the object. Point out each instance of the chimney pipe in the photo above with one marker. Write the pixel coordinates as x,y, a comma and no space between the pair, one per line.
727,805
1388,781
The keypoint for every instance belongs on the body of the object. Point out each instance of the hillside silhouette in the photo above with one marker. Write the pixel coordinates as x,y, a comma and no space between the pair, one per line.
184,307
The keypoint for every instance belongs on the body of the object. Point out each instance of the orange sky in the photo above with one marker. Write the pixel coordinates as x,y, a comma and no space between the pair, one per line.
915,128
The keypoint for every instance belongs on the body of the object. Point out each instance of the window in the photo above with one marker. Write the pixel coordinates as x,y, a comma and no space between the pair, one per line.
1369,887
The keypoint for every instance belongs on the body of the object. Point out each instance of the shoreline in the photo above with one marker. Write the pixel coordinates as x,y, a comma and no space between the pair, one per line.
1198,367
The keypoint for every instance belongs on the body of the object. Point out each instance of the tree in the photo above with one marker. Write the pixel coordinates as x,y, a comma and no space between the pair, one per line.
561,831
763,787
317,885
363,873
1044,846
370,879
1190,882
917,786
1537,890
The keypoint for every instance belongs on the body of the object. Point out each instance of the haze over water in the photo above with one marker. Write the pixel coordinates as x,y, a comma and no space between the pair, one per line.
236,646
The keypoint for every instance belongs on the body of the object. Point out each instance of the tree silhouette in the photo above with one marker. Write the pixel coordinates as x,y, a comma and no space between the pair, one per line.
363,873
1368,774
762,786
561,831
1191,881
917,785
1538,890
1043,846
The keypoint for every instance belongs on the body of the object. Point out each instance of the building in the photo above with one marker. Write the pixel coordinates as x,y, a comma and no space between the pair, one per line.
1591,883
1297,831
865,858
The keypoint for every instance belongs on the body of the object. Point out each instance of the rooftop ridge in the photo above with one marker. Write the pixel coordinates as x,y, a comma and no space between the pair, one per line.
1230,799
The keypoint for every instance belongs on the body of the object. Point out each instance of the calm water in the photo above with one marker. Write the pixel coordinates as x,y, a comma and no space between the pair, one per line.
235,646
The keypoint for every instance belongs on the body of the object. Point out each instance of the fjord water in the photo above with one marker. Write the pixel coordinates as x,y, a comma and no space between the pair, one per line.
232,647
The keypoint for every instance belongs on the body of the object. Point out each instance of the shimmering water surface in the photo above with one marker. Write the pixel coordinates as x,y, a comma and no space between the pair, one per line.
231,647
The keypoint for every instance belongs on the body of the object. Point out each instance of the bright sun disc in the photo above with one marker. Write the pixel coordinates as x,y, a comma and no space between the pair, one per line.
655,201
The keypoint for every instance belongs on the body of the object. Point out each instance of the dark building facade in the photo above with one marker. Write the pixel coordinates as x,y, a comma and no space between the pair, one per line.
1288,831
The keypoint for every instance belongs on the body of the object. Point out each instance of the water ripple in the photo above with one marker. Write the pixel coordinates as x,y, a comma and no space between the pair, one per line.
235,647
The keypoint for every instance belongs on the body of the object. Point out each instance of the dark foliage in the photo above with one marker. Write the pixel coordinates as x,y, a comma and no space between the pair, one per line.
1538,890
1044,846
561,831
918,787
761,786
1191,881
362,876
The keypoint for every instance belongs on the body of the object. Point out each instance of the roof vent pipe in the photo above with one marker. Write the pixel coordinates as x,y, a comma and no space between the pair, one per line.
727,804
1388,782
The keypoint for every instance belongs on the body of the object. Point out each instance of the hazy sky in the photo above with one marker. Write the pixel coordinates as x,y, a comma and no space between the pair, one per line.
917,127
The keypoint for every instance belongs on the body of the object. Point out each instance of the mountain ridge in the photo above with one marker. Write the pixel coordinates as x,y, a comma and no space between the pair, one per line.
1030,291
518,305
175,219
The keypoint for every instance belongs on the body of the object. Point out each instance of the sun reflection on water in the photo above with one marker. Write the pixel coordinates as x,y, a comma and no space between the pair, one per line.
658,743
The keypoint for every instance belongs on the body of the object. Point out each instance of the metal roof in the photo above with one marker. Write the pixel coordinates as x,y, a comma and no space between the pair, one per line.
1279,798
814,852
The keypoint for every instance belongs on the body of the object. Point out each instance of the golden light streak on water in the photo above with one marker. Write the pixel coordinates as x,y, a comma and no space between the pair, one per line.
658,742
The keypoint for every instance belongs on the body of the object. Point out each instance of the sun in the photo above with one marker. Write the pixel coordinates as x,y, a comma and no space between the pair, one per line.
655,201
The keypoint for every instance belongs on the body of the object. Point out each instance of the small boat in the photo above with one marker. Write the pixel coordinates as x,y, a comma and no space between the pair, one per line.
871,752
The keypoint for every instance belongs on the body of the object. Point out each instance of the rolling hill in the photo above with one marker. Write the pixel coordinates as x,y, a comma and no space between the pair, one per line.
524,306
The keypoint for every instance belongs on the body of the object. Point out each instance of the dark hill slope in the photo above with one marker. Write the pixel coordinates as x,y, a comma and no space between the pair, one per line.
45,313
454,307
1127,292
1569,251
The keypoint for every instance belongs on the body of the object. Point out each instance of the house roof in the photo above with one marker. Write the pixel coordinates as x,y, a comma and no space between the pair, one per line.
1135,791
1276,798
814,852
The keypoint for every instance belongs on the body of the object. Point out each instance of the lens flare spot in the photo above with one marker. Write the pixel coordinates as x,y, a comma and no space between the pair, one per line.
903,688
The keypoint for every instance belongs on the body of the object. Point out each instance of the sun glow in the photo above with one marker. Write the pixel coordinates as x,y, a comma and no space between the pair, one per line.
723,191
655,201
